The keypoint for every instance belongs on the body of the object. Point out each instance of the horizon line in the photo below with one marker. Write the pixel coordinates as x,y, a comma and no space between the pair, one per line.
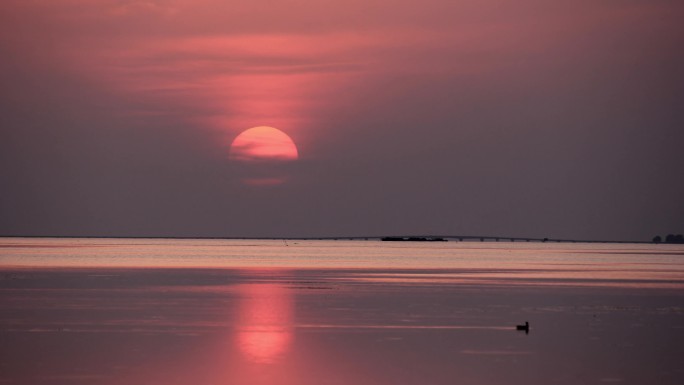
457,238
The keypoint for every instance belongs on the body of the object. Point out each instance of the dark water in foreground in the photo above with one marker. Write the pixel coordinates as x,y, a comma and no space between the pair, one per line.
270,312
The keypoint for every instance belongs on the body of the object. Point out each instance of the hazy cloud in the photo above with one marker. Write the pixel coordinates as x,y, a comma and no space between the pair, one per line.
524,118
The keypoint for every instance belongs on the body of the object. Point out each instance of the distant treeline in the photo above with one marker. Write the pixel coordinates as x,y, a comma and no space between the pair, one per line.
670,238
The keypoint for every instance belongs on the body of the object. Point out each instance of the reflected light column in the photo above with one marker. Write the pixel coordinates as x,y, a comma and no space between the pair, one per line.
265,322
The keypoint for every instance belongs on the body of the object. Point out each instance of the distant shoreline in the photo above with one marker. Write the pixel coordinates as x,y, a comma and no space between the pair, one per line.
451,238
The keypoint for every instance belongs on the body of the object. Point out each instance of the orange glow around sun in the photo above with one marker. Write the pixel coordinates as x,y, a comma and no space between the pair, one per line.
263,143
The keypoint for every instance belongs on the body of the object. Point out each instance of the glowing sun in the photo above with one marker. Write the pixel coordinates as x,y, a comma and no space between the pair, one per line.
263,144
263,156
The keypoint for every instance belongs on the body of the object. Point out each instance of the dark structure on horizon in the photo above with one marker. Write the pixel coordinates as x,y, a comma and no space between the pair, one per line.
413,239
670,238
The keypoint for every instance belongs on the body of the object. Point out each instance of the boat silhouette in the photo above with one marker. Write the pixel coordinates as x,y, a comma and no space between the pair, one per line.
525,327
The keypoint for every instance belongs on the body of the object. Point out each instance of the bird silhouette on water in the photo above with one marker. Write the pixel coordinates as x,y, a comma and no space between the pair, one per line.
525,327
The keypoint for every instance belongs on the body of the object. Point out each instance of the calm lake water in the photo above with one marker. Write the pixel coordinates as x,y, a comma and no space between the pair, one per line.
111,311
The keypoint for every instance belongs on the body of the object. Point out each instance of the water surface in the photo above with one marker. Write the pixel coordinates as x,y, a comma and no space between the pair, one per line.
107,311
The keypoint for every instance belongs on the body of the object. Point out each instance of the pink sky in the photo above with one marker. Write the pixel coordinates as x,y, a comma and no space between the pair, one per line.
234,65
515,90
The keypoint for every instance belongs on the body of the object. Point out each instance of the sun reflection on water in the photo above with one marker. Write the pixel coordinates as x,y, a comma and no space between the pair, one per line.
265,322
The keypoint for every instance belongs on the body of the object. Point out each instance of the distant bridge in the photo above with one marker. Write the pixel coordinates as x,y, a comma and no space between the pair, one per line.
461,238
406,238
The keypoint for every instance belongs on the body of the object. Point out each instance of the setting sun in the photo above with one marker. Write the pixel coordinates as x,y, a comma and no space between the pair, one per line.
263,143
263,156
